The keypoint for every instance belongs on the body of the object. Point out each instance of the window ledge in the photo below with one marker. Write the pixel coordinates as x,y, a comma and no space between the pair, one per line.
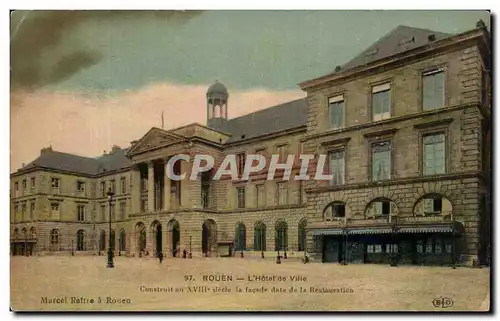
439,122
384,132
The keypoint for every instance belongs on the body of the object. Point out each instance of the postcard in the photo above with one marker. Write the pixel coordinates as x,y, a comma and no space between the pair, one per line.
250,160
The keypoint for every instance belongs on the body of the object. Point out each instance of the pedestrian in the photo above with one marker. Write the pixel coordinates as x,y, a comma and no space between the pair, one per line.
160,256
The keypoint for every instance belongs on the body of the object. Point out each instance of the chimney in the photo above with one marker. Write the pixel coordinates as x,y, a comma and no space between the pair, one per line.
115,148
431,38
480,24
46,150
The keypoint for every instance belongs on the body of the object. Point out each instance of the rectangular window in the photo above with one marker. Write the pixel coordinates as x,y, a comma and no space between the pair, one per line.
420,247
370,248
80,186
428,246
438,245
448,247
55,183
33,183
144,205
144,184
378,248
123,185
55,210
434,154
391,248
433,90
240,161
337,167
24,185
113,213
112,185
282,193
282,155
16,189
381,161
23,210
81,213
103,188
336,111
241,197
260,195
122,210
381,102
32,210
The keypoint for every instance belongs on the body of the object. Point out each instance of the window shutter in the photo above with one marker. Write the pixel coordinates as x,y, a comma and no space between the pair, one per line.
394,209
446,206
428,205
341,168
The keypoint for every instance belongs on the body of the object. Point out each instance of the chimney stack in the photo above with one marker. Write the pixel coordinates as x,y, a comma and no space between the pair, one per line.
46,150
115,148
338,68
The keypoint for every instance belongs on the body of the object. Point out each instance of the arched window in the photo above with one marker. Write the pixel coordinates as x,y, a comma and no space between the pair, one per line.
259,242
54,240
123,240
432,204
381,207
281,236
32,233
25,232
302,234
334,210
80,240
241,237
142,239
16,233
102,241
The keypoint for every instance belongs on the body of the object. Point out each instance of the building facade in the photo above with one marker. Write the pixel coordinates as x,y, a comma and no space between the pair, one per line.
405,125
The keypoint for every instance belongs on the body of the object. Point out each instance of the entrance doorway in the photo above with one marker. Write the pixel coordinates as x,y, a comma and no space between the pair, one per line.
208,237
175,236
156,230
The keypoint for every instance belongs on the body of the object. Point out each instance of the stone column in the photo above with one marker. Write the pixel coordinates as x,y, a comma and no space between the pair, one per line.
166,189
185,186
135,190
151,187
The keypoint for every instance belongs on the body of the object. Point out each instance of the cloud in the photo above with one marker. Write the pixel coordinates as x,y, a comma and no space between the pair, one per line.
37,38
87,123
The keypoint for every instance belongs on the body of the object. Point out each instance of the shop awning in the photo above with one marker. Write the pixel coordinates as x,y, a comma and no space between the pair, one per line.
370,230
426,229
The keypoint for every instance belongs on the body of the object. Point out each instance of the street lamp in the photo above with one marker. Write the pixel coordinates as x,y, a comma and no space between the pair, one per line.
395,245
110,250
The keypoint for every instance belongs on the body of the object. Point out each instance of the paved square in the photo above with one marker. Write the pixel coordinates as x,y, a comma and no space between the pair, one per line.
84,283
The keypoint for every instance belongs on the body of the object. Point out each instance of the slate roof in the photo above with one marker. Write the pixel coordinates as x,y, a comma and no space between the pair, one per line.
80,164
270,120
400,39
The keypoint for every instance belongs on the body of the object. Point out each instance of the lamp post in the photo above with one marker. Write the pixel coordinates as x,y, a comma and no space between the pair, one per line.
395,246
110,250
453,263
345,232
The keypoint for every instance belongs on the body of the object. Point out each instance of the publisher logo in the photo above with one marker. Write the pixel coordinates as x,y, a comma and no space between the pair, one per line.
442,302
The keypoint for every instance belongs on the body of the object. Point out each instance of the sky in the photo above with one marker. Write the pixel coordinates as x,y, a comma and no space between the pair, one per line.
83,81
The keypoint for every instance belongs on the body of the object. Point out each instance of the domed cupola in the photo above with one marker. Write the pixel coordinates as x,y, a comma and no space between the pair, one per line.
217,97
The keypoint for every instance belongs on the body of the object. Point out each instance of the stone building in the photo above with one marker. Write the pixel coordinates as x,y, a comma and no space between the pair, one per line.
405,125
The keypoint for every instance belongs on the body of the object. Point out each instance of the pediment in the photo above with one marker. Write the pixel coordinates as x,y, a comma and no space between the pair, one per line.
155,138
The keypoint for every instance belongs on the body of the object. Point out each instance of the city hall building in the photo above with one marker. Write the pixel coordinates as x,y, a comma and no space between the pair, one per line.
406,126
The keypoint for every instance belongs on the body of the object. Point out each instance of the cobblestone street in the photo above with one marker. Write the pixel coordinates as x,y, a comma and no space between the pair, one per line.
84,283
